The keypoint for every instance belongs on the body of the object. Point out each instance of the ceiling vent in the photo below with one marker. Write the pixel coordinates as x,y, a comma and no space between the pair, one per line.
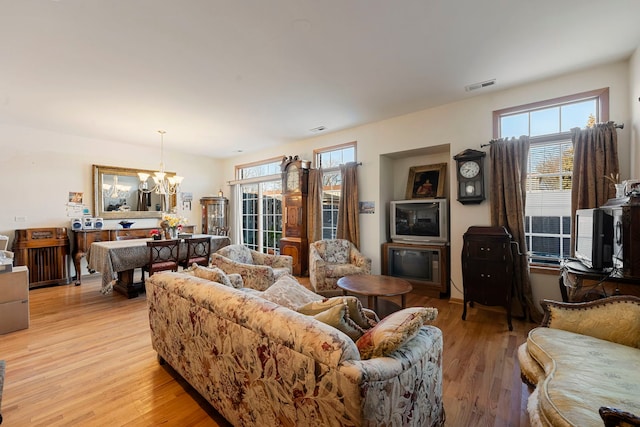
480,85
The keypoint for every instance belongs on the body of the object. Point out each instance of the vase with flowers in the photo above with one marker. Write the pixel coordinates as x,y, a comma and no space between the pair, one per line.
155,234
172,225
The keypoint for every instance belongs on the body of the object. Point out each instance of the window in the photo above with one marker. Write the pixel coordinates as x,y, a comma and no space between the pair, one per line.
330,159
261,205
550,165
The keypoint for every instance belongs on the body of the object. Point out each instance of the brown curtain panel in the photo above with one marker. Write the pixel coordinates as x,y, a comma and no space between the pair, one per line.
348,226
314,206
508,198
595,155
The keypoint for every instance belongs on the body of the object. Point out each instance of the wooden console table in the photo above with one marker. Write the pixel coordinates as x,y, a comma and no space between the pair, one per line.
579,284
82,240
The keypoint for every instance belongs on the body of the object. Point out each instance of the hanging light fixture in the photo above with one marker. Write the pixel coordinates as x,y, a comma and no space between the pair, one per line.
115,190
163,184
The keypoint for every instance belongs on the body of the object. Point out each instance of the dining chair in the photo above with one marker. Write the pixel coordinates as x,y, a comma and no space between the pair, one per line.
198,251
163,255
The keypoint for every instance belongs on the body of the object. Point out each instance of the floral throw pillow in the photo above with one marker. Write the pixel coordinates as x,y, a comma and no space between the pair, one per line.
287,292
344,313
393,331
214,274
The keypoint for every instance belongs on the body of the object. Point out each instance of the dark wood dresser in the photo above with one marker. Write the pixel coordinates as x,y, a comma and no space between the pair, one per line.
44,251
487,268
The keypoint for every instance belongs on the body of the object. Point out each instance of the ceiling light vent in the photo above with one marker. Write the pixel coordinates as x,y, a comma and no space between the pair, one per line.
480,85
318,129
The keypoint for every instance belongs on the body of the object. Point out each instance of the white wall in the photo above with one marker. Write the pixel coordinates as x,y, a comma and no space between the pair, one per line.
460,125
39,168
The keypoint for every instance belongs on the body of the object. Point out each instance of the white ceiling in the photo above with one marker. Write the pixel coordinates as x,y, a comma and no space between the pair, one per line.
223,76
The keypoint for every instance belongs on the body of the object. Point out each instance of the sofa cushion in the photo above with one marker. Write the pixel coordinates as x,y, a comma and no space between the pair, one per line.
341,270
238,253
393,331
583,373
286,291
212,273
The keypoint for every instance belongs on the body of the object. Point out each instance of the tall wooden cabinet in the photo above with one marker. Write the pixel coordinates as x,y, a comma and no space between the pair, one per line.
630,240
294,242
487,268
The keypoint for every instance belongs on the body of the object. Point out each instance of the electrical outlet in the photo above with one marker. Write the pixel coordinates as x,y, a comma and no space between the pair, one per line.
20,219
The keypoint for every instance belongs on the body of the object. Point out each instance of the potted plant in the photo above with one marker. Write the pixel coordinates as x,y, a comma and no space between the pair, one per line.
155,234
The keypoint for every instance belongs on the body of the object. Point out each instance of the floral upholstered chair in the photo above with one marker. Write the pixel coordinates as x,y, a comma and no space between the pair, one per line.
258,270
330,260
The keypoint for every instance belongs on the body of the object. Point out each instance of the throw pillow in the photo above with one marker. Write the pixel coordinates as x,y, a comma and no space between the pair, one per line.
338,317
287,292
354,306
214,274
393,331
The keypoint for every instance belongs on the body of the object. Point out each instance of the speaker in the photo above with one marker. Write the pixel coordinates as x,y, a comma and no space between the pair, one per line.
98,223
87,223
76,224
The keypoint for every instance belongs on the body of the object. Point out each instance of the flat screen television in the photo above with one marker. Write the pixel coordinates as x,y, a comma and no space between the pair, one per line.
419,221
594,238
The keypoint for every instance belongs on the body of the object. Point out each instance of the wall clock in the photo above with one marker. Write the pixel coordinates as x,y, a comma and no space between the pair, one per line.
470,174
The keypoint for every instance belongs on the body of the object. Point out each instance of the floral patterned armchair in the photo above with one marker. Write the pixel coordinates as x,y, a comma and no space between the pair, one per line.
330,260
258,270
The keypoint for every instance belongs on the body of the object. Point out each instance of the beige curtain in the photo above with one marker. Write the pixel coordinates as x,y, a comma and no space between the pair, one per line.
595,155
508,198
314,206
348,226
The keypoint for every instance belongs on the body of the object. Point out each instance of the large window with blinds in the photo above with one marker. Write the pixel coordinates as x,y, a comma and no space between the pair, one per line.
550,165
261,205
330,159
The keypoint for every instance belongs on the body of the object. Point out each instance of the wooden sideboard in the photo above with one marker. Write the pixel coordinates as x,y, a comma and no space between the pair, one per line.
82,240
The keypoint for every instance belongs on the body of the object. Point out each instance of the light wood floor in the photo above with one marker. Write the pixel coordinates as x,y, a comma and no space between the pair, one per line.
86,360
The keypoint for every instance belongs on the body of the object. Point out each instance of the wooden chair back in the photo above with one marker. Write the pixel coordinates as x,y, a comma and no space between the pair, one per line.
163,255
198,251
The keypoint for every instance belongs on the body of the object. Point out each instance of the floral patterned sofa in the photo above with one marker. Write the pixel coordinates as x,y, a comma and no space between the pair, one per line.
258,270
584,364
260,363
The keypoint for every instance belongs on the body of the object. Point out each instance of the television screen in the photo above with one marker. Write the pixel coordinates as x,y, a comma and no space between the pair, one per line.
419,221
594,238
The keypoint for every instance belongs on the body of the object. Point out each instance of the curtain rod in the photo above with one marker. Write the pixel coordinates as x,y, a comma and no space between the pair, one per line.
617,126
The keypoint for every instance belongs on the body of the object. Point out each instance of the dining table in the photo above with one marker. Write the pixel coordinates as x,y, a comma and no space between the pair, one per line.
116,260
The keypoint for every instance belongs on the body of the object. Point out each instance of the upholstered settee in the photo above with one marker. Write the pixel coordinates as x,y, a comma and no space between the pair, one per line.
331,259
584,362
263,364
258,270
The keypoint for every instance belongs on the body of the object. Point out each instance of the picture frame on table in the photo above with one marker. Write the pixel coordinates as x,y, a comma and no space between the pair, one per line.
427,181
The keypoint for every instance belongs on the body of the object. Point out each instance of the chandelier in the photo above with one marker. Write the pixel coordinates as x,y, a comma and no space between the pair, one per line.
163,184
115,190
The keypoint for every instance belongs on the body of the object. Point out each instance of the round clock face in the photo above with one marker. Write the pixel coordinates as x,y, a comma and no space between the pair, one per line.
293,178
469,169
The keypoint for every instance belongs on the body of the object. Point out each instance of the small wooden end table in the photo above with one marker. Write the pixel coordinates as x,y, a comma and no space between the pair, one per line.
373,286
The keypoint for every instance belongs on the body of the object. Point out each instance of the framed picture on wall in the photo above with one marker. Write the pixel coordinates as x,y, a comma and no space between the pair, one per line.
427,181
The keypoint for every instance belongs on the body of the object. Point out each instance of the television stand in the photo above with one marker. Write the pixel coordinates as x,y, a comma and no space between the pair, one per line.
425,266
579,283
